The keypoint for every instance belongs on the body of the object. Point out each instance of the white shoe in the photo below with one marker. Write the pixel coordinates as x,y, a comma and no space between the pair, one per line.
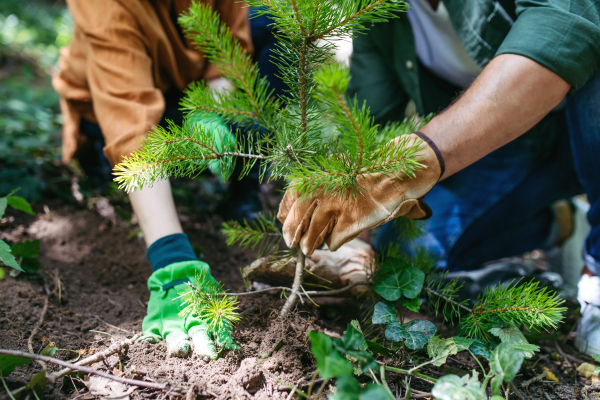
588,331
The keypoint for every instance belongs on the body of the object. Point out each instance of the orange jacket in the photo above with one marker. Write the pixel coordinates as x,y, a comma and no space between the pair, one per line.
123,56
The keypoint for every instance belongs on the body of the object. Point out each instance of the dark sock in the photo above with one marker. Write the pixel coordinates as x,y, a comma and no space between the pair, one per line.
170,249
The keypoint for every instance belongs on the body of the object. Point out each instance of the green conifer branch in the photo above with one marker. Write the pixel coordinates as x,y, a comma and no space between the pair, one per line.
214,39
524,305
182,152
261,234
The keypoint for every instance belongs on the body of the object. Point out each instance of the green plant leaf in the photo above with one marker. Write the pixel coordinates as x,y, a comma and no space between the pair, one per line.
390,266
412,282
479,348
383,314
29,248
352,338
415,334
596,357
3,204
7,258
373,392
462,343
441,349
49,350
506,361
329,361
451,387
412,305
19,203
347,388
376,348
512,335
9,363
408,282
496,385
37,384
31,265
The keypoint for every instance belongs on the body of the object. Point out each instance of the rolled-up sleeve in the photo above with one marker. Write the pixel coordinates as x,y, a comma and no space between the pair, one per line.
119,72
563,36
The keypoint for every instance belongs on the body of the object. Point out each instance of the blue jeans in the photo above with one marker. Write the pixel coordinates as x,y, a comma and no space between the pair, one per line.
501,205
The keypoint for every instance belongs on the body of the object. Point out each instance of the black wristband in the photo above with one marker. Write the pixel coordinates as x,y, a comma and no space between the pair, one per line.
435,149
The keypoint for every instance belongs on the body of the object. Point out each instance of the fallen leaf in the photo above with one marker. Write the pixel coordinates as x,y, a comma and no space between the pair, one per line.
117,372
549,374
109,389
586,369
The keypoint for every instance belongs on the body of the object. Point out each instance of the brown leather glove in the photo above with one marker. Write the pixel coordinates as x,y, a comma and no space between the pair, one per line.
335,220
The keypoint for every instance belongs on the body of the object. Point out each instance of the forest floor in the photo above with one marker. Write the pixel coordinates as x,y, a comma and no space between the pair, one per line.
99,263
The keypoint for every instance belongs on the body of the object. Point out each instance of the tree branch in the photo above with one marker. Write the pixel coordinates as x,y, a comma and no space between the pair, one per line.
117,347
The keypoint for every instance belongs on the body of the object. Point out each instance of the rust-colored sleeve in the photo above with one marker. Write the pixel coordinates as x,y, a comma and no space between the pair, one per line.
119,72
235,16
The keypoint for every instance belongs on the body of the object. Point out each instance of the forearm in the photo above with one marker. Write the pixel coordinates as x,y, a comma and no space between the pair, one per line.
155,210
509,97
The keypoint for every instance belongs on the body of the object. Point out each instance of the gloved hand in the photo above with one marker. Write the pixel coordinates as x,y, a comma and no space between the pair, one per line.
335,220
162,321
222,136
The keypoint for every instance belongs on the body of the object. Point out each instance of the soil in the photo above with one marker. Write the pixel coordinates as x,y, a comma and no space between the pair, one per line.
95,272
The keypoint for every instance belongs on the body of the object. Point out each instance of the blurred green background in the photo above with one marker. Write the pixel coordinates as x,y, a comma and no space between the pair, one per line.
31,33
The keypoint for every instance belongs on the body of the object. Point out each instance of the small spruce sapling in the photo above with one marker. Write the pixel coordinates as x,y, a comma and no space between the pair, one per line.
314,136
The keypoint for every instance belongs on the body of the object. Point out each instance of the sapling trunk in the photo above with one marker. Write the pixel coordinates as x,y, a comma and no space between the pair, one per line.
298,281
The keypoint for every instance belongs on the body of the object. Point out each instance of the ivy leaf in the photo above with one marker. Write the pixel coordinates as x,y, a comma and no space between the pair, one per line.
506,361
512,335
412,305
373,392
479,348
383,314
352,339
3,204
412,282
462,343
7,258
347,388
451,387
415,334
390,266
29,248
9,363
19,203
329,361
376,348
440,349
407,282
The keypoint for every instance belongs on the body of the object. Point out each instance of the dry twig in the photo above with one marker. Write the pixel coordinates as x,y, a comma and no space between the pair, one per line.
36,329
94,358
74,367
536,378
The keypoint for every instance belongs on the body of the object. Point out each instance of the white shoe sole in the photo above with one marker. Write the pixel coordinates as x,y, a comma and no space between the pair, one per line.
584,347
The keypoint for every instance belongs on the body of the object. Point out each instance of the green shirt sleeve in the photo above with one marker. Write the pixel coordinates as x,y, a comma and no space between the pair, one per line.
373,80
563,36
